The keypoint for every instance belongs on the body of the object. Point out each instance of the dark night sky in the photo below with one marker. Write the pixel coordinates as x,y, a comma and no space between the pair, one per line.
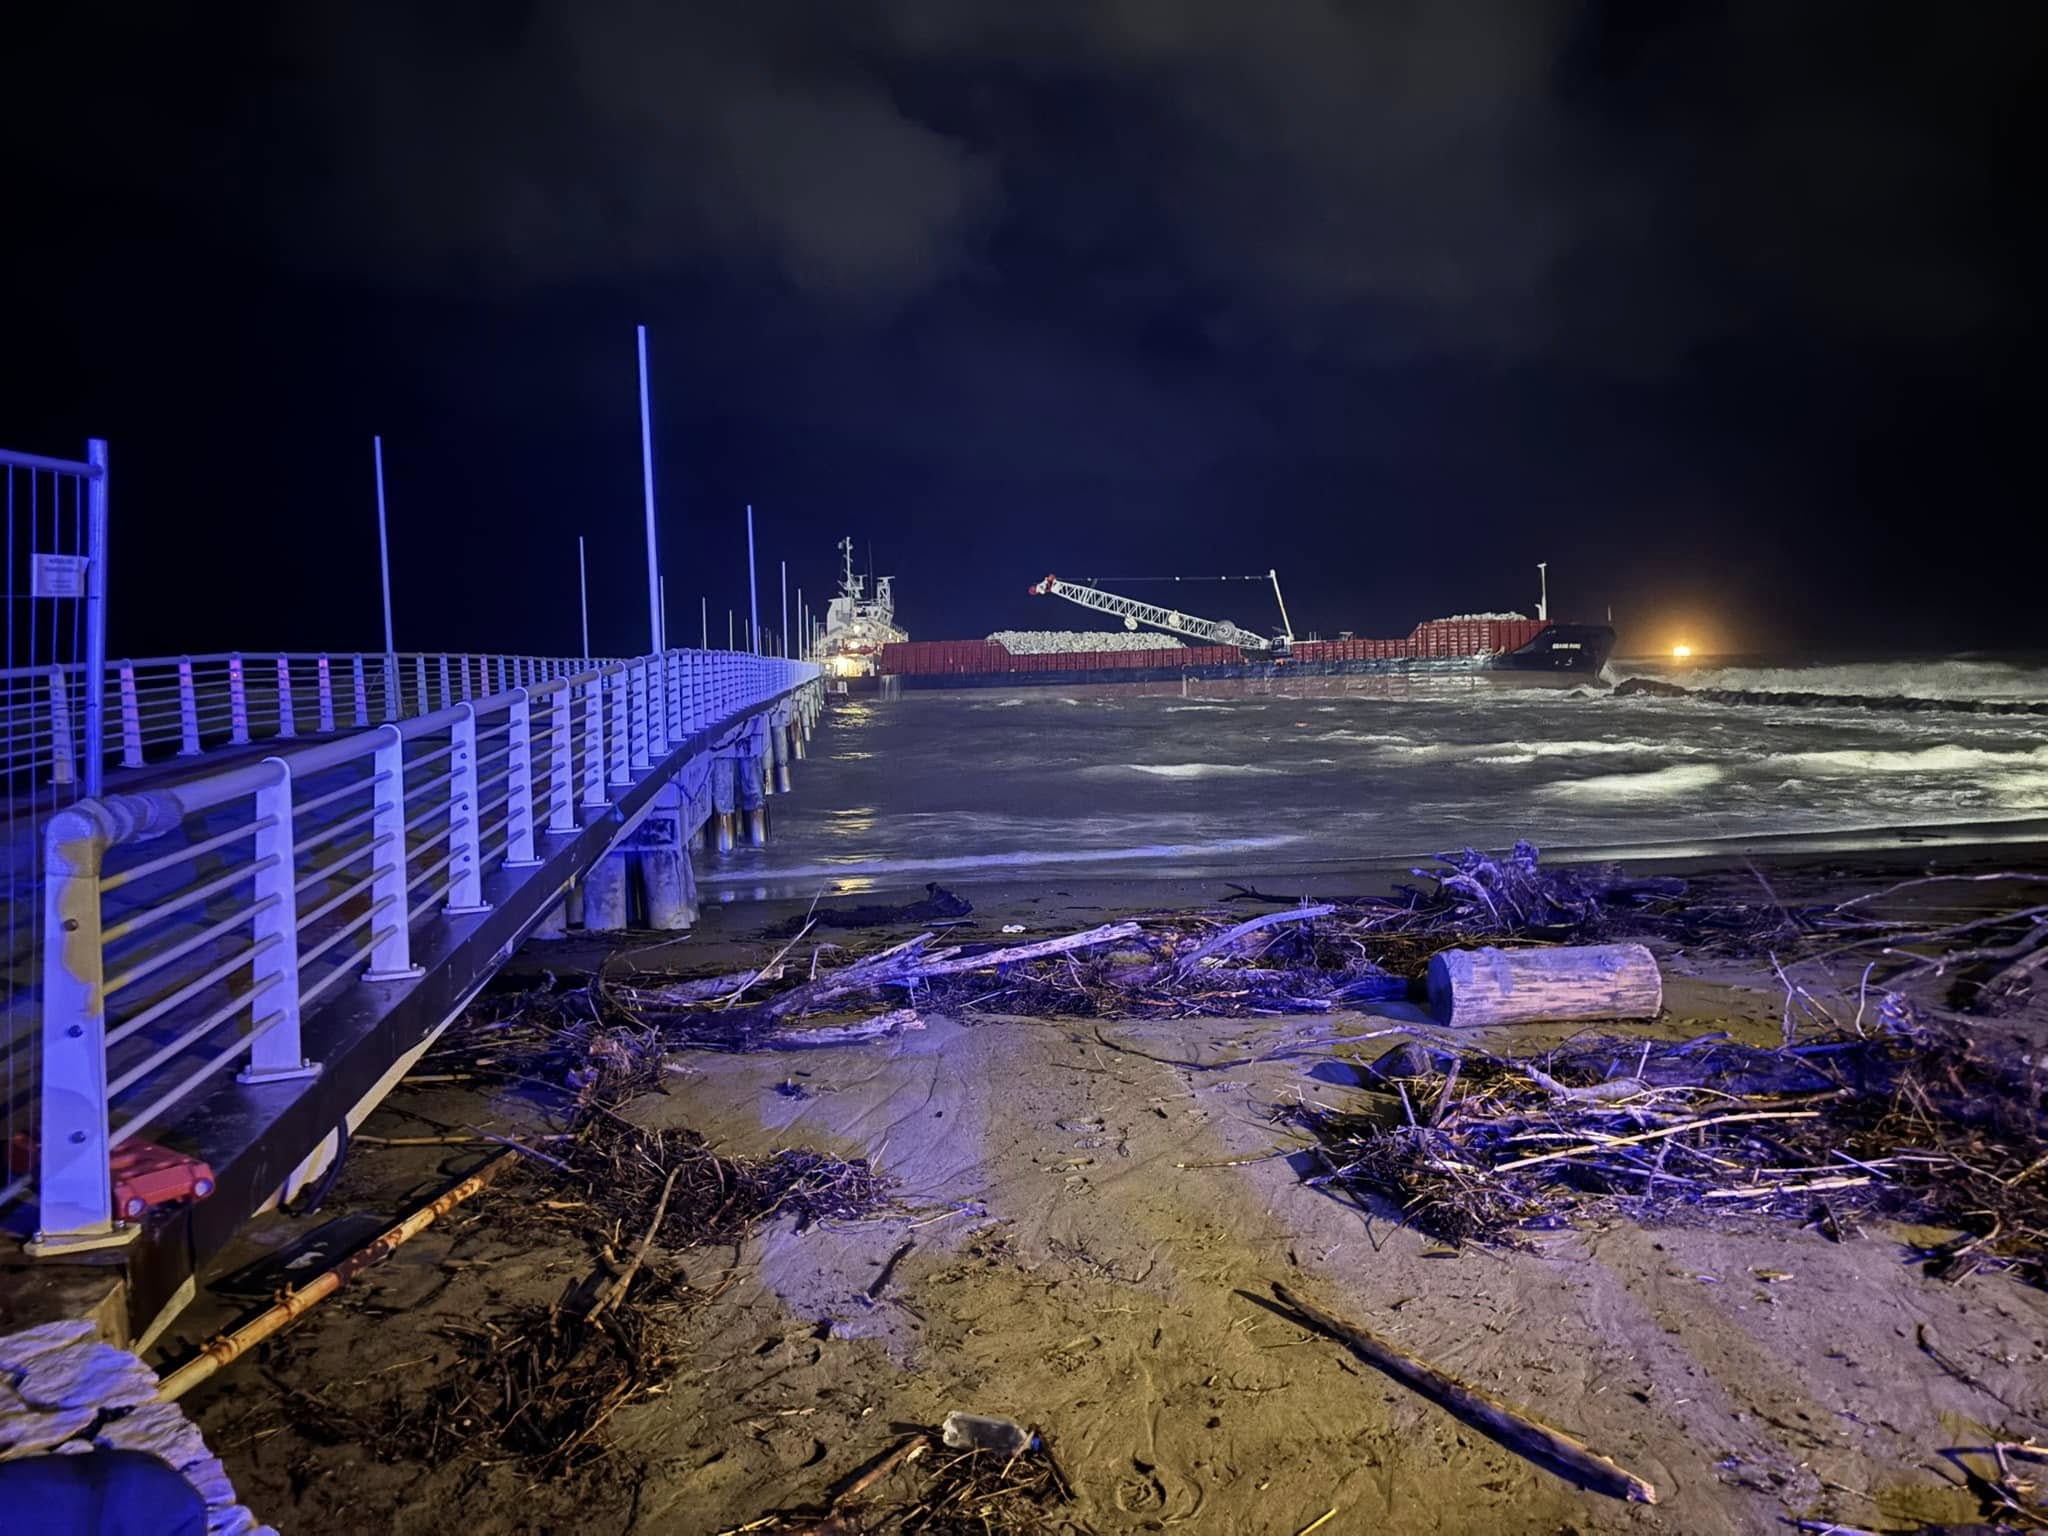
1726,311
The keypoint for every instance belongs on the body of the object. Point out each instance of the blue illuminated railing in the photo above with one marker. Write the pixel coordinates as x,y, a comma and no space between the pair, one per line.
181,706
190,930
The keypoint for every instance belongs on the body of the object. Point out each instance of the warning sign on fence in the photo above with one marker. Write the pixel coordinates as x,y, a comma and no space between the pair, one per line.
58,576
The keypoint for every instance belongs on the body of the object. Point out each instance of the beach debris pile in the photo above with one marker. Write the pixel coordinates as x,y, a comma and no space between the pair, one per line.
540,1383
935,1483
1468,1146
1993,960
1307,957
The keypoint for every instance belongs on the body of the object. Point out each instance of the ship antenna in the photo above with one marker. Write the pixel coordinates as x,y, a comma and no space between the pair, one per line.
1543,602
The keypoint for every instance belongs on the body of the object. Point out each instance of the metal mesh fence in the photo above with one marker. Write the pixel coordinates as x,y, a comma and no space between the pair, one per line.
50,509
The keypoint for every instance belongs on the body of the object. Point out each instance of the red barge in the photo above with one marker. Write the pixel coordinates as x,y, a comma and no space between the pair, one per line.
1521,650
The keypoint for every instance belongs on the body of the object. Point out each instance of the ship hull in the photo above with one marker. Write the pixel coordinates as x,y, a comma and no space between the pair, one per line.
1560,655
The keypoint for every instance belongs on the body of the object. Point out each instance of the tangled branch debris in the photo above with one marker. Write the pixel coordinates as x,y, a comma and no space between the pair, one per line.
1313,957
1308,958
921,1488
1920,1127
541,1383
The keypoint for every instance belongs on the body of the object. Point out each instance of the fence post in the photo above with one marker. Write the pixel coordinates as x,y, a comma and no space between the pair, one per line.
96,617
519,852
276,1052
74,1185
561,758
420,671
63,750
618,728
326,675
656,667
131,718
287,722
640,719
593,742
391,948
188,710
465,830
238,703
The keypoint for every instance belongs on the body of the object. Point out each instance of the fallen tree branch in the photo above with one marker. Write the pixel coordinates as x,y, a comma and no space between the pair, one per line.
1610,1142
1483,1411
618,1287
1108,933
2032,876
1237,931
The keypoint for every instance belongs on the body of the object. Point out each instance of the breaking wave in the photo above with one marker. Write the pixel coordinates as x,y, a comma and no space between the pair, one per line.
1656,784
1150,854
1964,685
1185,770
1940,759
1529,751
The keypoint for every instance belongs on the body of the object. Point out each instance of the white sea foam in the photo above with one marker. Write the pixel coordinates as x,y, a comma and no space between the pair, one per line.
1944,759
1656,784
1184,770
1526,751
1957,678
1152,853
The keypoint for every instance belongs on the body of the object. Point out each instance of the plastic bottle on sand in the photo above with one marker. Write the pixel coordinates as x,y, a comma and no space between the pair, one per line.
970,1431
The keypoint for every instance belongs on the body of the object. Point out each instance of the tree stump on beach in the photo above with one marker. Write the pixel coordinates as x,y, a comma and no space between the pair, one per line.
1520,986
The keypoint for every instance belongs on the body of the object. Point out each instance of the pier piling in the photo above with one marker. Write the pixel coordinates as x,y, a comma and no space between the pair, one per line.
668,886
604,893
754,781
778,743
724,802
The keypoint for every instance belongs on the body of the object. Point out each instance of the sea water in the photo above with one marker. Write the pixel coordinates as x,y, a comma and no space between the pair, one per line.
955,786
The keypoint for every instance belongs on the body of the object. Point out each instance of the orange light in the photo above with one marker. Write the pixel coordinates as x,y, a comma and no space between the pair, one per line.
1681,652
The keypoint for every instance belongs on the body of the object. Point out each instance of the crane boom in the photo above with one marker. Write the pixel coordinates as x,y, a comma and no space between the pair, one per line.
1134,613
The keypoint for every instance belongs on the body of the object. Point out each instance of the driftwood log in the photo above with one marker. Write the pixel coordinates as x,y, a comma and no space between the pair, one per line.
1481,1409
1519,986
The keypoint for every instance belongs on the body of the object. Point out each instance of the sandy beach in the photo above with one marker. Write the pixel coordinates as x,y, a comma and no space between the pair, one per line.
1081,1235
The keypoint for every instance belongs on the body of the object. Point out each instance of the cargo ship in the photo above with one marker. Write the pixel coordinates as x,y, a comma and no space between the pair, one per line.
1497,647
859,626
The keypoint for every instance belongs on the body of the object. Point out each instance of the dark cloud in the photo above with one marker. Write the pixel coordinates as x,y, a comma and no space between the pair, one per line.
1398,296
614,143
1373,182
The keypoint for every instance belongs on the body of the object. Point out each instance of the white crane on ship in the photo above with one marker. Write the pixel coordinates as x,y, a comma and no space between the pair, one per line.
1172,620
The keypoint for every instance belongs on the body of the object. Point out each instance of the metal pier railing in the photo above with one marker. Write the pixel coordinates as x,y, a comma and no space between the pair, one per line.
191,930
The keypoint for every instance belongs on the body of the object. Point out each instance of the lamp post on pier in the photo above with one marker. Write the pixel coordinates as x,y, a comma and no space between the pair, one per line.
647,493
753,590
